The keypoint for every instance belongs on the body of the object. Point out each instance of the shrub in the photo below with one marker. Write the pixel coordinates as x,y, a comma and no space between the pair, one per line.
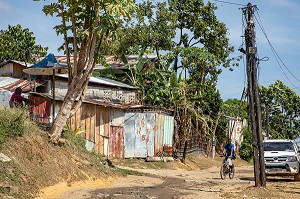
12,122
246,150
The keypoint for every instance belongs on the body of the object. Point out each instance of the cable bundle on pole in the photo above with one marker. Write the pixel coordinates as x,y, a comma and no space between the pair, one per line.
253,97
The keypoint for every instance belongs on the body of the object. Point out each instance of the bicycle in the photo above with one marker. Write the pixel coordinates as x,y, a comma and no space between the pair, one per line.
227,168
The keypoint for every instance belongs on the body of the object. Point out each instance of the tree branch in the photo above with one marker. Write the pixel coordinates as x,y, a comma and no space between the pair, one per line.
70,74
74,40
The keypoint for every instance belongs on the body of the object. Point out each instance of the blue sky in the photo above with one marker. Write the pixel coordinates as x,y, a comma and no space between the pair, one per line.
280,19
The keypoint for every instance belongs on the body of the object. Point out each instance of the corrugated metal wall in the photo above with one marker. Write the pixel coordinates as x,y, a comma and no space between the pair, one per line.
168,129
130,134
41,109
150,133
140,147
159,136
116,147
112,132
146,133
117,117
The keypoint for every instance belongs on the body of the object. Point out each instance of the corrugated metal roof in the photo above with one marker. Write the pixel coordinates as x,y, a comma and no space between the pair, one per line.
86,100
10,84
111,60
15,61
150,108
104,81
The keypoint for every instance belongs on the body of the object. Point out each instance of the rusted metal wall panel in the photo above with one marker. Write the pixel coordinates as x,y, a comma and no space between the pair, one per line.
140,150
168,130
159,134
116,147
129,134
117,117
150,132
139,137
41,109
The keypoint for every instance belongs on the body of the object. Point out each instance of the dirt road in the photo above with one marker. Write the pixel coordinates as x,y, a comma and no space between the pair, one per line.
176,184
165,184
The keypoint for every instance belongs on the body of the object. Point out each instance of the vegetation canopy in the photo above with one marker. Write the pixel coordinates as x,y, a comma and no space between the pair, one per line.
19,44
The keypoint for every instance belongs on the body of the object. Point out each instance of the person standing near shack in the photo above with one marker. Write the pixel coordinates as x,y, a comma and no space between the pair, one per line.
16,100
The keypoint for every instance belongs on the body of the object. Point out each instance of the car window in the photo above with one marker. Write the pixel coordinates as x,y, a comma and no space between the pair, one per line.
278,146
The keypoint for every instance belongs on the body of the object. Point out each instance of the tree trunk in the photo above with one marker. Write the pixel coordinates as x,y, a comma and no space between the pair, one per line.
60,120
184,151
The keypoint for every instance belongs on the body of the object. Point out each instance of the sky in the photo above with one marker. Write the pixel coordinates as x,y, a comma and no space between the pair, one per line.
279,18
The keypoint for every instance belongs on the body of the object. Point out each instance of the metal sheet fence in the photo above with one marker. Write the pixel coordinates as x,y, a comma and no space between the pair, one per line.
146,133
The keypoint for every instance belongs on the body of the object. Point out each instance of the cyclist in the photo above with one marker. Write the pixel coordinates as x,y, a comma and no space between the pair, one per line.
229,151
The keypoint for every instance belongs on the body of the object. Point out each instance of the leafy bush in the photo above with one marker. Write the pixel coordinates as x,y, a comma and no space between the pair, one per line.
12,122
74,136
246,149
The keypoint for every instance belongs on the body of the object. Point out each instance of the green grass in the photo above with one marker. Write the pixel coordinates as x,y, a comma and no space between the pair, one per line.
125,172
12,123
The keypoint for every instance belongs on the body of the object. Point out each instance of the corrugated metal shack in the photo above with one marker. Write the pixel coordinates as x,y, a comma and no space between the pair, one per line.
148,132
111,116
101,116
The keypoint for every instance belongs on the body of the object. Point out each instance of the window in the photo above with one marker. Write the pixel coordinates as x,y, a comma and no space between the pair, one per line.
278,146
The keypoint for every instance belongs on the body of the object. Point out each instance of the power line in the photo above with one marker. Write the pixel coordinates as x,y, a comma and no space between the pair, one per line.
237,4
277,57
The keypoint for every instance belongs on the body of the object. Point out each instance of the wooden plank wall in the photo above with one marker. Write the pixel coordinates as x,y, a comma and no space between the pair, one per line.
95,122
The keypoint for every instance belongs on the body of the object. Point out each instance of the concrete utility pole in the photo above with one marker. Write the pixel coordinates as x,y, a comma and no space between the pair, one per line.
253,98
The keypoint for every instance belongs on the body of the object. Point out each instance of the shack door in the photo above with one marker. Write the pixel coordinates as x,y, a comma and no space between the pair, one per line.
116,141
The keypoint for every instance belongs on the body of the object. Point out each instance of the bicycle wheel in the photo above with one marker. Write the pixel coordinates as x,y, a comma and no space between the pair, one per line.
223,171
231,173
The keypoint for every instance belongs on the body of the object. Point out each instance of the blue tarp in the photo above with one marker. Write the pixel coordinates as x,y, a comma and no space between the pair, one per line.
48,61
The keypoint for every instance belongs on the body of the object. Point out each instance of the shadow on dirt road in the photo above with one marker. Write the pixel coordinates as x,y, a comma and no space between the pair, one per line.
168,189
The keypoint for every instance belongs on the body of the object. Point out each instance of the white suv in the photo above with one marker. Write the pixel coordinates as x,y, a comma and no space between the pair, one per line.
281,158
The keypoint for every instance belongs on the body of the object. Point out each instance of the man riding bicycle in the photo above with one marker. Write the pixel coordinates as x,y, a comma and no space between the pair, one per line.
229,151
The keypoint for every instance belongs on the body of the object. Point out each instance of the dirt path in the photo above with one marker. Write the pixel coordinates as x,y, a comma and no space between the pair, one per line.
165,184
198,184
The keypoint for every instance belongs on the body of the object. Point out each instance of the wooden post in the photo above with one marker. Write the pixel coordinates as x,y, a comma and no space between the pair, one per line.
253,97
53,96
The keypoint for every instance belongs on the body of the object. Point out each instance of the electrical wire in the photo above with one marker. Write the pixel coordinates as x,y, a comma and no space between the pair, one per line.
277,57
243,43
237,4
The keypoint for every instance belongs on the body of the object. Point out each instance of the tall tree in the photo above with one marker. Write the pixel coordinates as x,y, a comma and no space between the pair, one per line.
188,39
284,110
17,43
90,23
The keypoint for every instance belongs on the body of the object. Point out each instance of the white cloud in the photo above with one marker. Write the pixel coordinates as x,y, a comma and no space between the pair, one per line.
5,6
